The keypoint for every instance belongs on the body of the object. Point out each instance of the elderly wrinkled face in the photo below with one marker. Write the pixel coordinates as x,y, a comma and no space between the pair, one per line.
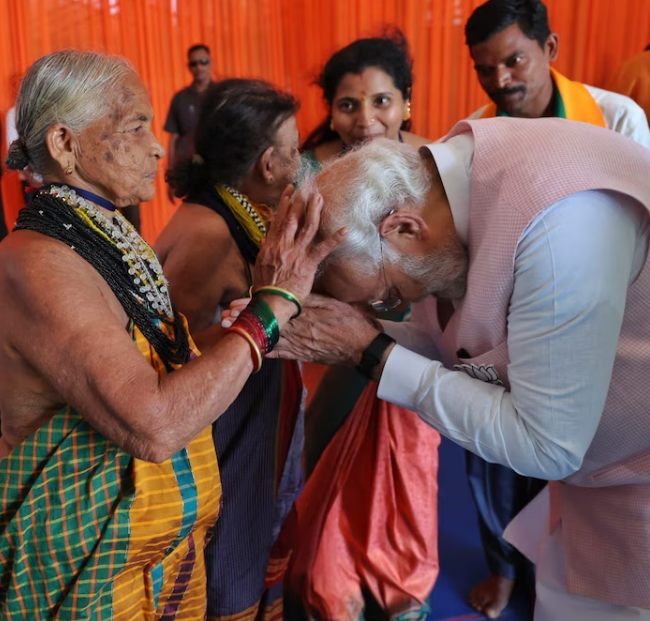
402,242
367,106
118,155
411,277
409,270
340,280
514,71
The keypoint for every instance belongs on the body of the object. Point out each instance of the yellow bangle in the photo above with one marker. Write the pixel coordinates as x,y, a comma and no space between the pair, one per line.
257,354
287,295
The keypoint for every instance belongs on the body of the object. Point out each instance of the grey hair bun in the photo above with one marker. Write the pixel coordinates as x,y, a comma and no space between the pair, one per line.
17,157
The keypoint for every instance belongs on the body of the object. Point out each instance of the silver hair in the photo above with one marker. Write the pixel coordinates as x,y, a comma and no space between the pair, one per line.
361,188
72,87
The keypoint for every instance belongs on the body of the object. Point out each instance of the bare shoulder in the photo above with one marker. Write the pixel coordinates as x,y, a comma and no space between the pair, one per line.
194,228
328,151
202,263
34,264
195,233
56,311
45,282
415,141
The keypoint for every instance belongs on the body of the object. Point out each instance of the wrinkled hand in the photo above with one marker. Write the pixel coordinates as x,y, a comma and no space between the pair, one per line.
288,257
328,332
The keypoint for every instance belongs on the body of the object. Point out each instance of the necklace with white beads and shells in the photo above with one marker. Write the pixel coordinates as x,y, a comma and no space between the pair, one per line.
151,286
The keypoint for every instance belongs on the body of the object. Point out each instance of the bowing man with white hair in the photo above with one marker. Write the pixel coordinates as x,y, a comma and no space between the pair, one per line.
525,246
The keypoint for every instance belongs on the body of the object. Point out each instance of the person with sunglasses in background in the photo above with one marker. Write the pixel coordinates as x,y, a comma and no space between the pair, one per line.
183,114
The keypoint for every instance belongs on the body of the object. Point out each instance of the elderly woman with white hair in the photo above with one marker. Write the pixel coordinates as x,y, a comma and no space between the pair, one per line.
109,483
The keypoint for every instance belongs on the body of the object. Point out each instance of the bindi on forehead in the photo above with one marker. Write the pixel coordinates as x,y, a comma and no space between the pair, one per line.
373,81
363,79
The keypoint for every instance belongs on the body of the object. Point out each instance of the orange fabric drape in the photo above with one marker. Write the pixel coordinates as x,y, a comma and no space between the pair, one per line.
286,42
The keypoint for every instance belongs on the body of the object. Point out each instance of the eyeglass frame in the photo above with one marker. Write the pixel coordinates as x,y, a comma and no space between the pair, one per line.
384,306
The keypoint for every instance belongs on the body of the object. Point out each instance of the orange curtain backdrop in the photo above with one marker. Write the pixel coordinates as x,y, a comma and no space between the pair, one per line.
287,41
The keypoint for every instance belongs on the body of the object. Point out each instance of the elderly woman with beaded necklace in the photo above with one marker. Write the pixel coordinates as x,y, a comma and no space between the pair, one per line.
109,483
246,154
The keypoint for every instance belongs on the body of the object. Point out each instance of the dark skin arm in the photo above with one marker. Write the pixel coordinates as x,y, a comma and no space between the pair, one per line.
64,341
91,362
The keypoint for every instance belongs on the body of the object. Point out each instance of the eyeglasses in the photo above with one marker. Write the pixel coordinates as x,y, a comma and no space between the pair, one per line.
201,61
390,303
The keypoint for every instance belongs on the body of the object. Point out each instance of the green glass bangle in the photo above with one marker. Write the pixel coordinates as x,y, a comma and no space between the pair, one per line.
268,319
287,295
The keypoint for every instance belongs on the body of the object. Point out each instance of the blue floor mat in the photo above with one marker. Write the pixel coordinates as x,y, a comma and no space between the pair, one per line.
462,564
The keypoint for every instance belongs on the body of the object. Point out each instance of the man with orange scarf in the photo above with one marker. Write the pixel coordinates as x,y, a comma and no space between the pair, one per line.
512,47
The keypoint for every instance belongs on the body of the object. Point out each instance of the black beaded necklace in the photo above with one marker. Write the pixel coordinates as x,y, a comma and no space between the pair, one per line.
59,213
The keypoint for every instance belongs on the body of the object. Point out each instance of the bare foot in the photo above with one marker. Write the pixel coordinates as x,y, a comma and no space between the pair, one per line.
491,596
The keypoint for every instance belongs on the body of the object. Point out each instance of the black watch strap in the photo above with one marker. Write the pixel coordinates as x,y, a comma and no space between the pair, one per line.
371,357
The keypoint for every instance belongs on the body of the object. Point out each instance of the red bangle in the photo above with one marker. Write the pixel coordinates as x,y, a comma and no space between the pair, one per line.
255,350
253,325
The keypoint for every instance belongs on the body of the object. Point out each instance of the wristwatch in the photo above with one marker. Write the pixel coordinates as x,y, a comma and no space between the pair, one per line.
372,355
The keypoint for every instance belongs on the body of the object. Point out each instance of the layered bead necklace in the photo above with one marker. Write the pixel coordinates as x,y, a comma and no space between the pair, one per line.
151,286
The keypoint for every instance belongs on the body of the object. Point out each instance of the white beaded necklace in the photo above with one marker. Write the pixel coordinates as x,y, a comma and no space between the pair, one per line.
143,265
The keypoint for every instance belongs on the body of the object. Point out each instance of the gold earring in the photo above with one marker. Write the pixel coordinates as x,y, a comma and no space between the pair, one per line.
332,126
407,112
270,179
69,169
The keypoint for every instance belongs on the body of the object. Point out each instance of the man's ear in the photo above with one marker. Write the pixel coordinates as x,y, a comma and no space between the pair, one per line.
61,144
264,165
552,47
404,226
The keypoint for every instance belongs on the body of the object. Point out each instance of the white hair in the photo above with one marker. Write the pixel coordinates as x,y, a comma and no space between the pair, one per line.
72,87
361,188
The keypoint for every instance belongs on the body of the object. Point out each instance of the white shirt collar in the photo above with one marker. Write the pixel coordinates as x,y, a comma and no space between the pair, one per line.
453,159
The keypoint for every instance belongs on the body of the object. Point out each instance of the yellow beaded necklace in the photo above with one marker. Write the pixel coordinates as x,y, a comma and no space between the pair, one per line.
252,218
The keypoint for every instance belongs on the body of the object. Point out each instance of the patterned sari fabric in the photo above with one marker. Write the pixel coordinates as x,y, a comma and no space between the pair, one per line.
89,532
259,442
